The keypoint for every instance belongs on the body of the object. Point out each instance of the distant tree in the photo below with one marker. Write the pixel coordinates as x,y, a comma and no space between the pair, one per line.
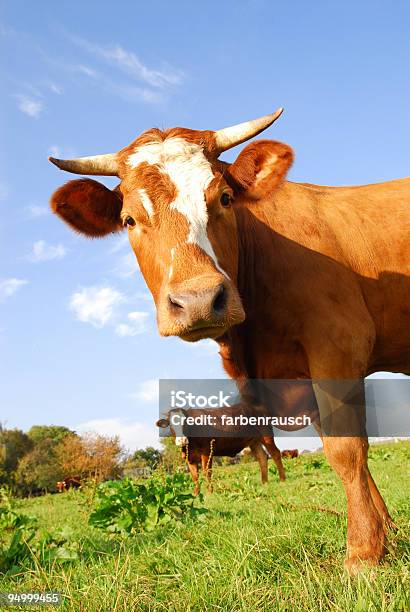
39,470
14,445
171,454
55,433
90,456
149,456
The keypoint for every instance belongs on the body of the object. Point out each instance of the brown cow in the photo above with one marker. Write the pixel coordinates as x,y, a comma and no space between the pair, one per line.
290,454
200,450
322,275
70,482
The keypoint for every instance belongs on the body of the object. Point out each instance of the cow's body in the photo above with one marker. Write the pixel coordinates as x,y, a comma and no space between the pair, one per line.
290,454
294,281
327,297
70,482
308,286
199,450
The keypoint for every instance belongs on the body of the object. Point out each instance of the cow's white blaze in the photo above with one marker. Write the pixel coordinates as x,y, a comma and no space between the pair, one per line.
146,202
190,171
171,268
176,421
181,440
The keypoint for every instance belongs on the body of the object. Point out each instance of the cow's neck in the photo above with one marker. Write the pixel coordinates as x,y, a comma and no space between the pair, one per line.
254,349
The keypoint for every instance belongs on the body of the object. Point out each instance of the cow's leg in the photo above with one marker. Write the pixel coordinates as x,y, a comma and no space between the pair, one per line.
342,411
207,470
379,503
375,493
261,456
365,532
193,468
274,452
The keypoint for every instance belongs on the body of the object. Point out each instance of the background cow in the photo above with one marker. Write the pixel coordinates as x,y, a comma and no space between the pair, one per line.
294,281
199,450
70,482
290,454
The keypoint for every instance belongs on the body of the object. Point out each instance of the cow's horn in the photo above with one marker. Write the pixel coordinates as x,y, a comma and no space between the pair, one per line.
230,137
104,165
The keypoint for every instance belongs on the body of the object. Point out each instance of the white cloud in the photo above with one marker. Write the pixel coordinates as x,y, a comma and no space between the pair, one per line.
90,72
132,434
128,62
35,210
134,94
101,306
148,391
42,251
131,64
95,305
10,286
127,265
137,324
55,89
29,106
119,243
152,84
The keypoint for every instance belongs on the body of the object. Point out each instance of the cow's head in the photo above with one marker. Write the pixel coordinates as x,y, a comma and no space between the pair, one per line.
176,200
175,420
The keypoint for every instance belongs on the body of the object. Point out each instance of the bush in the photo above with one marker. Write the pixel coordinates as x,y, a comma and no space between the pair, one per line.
149,456
171,455
90,456
39,470
16,532
14,445
21,542
127,507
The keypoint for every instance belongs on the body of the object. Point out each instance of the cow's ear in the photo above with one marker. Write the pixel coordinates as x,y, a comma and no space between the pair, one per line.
163,423
88,207
260,167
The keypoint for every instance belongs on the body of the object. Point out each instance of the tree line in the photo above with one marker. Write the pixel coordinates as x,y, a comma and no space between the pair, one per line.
32,462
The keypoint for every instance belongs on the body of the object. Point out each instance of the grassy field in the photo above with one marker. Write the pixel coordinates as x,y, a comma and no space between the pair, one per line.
258,548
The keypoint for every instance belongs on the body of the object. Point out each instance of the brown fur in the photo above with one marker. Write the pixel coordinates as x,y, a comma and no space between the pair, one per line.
290,454
260,167
70,482
88,207
323,275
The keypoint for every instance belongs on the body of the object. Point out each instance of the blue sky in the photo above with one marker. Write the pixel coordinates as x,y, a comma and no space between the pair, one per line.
78,339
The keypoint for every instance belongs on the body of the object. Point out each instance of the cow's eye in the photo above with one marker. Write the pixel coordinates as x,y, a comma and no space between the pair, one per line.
129,221
225,199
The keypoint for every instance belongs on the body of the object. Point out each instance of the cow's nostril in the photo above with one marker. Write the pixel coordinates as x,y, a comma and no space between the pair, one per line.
220,299
195,308
176,302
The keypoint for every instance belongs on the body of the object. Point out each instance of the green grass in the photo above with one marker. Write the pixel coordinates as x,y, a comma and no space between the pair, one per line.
258,547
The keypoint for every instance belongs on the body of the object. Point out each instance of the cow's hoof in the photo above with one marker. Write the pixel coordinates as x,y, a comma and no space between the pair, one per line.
357,564
390,524
355,567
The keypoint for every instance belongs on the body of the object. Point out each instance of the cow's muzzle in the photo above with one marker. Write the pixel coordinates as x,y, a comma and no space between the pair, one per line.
206,312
